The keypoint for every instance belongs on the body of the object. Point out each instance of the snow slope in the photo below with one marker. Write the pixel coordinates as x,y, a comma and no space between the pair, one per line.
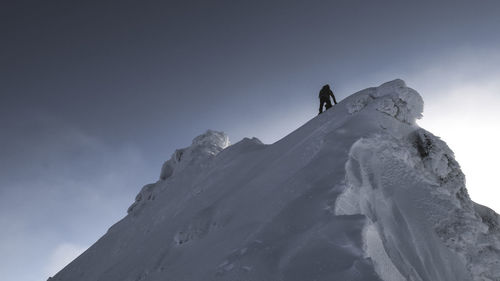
358,193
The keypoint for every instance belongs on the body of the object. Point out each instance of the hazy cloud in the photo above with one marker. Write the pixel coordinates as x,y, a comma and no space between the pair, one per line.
63,254
58,183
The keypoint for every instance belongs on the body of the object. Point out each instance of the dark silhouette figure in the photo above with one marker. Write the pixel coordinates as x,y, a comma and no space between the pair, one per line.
324,98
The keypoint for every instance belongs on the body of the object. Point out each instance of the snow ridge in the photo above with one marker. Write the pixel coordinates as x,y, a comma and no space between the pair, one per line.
358,193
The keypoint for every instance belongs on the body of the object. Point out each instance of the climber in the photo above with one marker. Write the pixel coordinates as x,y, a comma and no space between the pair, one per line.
324,98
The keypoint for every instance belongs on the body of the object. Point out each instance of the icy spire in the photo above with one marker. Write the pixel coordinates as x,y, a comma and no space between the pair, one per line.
203,146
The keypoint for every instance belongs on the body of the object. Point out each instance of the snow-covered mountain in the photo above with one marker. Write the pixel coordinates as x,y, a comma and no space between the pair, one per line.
359,192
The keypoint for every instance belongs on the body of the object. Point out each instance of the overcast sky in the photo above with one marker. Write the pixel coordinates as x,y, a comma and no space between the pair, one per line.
95,95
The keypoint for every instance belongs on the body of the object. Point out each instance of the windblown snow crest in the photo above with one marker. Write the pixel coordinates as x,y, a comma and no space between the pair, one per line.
401,179
203,148
392,98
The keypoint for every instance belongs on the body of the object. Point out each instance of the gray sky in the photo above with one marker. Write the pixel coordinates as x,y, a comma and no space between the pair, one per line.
96,95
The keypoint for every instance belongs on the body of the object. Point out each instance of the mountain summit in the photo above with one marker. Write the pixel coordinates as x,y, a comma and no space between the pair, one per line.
360,192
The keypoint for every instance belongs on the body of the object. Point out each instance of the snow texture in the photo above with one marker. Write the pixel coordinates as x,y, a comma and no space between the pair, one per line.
202,149
359,192
392,98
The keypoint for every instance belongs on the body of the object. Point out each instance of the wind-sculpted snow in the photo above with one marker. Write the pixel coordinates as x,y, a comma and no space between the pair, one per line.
203,146
403,184
359,193
202,149
392,98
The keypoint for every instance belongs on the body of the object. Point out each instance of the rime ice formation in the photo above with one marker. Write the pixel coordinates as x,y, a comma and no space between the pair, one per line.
202,149
359,192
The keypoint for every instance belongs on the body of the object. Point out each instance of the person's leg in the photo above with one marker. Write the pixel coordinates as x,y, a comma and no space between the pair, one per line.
328,103
321,103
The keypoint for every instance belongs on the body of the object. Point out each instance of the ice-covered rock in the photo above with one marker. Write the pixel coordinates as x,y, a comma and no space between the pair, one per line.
202,149
204,146
393,98
402,183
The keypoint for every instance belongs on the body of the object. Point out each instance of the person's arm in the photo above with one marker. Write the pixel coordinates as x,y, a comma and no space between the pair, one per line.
333,96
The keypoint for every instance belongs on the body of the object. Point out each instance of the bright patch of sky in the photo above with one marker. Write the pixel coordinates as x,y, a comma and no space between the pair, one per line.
464,112
62,255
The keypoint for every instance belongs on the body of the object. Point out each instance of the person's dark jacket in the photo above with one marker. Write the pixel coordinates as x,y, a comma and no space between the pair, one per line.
326,93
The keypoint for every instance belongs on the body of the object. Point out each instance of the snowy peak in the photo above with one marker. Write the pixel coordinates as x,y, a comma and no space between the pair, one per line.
358,193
